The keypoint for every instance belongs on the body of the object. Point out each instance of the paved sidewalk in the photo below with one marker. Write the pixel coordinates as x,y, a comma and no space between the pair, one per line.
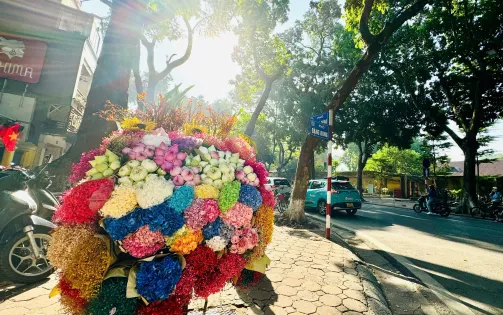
308,275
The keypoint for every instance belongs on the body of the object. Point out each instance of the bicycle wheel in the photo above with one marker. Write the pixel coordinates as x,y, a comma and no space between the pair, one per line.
475,211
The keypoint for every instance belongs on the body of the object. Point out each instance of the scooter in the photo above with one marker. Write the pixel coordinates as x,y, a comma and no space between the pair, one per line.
26,206
439,207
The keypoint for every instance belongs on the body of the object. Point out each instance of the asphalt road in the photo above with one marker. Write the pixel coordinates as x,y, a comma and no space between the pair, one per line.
463,255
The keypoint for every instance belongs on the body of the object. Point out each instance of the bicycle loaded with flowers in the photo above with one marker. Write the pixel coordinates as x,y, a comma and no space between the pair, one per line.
157,218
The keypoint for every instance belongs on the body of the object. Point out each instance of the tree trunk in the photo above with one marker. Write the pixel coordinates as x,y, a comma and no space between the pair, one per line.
470,148
295,212
137,77
250,128
110,80
152,83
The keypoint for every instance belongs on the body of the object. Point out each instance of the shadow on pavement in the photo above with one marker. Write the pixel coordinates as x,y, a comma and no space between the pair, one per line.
263,291
9,289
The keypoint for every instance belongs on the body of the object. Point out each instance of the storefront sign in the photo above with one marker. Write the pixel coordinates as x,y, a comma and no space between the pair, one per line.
21,59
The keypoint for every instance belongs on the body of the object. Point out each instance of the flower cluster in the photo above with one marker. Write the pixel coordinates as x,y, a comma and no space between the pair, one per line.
181,199
79,169
112,299
154,191
85,271
186,144
122,202
184,244
238,216
71,300
206,192
200,212
143,243
75,208
229,195
250,196
157,278
177,217
243,240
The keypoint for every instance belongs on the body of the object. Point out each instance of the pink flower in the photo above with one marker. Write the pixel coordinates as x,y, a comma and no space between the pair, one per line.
143,243
239,215
247,240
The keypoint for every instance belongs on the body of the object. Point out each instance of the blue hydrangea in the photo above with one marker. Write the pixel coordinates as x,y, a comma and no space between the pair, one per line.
163,218
119,228
212,229
156,279
250,196
182,198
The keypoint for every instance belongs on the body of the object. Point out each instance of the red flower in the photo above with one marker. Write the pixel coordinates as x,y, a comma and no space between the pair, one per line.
77,206
231,265
9,136
202,259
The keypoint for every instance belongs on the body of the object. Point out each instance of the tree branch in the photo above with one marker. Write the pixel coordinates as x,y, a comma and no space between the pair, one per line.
450,99
170,65
367,36
407,14
150,54
136,72
401,81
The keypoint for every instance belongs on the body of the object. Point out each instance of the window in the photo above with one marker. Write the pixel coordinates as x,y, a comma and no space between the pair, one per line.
342,186
281,182
317,185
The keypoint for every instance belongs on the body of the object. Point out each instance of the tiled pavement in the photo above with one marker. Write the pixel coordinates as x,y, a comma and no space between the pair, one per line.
308,275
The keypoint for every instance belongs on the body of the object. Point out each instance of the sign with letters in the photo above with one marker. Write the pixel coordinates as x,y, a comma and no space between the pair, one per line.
318,126
21,59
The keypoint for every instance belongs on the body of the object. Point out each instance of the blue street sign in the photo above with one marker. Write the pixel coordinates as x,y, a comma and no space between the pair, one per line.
318,126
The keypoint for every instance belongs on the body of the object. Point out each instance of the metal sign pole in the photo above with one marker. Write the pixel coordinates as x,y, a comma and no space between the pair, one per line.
329,172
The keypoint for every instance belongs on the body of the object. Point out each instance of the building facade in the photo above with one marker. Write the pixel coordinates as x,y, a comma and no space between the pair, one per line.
48,54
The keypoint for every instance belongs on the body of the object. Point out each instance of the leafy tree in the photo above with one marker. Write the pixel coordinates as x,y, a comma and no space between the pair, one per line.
391,160
350,157
374,37
432,148
448,62
376,113
262,56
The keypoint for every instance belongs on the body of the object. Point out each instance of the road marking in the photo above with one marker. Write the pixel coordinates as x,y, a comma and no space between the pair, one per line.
455,304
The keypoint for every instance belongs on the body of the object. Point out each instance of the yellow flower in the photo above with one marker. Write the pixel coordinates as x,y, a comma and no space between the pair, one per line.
136,123
205,191
185,243
122,201
191,128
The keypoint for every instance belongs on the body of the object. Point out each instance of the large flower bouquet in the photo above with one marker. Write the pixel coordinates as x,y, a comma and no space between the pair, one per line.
158,218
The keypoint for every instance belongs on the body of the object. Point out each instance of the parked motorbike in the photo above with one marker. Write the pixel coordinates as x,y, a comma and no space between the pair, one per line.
281,201
26,206
439,207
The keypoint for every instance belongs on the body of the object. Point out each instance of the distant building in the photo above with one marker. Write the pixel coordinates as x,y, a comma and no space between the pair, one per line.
486,169
48,55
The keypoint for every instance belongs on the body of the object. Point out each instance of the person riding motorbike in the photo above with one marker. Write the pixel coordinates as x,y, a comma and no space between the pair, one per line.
495,196
432,195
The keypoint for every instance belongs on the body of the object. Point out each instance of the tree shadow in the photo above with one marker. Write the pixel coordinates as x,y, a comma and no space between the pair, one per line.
260,296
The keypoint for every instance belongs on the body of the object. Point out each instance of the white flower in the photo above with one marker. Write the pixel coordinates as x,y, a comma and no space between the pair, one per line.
216,243
154,191
150,139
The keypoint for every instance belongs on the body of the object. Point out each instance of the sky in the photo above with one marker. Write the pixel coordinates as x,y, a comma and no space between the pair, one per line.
210,66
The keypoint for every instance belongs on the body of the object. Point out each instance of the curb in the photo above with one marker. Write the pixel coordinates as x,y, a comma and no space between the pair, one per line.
377,303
